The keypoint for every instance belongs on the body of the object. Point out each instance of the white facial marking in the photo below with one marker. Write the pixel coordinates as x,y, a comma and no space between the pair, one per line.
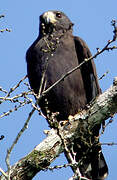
49,17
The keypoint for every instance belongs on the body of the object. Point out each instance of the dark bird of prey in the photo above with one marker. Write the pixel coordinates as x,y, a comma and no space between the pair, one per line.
55,52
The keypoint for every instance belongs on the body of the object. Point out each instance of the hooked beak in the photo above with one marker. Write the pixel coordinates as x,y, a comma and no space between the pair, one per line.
49,17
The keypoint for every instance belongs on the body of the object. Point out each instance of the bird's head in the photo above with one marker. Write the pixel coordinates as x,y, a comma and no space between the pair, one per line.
54,21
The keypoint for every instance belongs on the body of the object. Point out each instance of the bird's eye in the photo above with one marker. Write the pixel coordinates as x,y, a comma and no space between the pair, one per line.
59,15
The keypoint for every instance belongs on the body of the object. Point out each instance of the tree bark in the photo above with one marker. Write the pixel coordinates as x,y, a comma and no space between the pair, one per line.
81,124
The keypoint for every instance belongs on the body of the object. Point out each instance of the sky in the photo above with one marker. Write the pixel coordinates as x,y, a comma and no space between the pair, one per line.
92,23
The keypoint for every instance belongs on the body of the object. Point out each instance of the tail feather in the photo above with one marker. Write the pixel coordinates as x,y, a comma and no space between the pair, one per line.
92,164
96,168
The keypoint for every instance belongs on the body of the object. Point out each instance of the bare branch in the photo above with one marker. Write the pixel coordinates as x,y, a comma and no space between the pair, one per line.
103,75
4,91
1,16
43,154
4,174
109,144
16,140
13,89
3,30
14,109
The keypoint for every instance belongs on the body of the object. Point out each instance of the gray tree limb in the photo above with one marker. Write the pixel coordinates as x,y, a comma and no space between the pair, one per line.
40,158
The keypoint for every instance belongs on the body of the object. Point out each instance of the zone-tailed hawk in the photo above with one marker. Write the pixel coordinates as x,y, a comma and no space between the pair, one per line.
53,54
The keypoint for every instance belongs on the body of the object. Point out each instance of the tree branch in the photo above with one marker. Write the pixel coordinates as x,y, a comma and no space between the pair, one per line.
40,158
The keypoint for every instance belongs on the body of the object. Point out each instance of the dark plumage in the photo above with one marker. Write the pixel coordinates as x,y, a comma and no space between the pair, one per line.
55,52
